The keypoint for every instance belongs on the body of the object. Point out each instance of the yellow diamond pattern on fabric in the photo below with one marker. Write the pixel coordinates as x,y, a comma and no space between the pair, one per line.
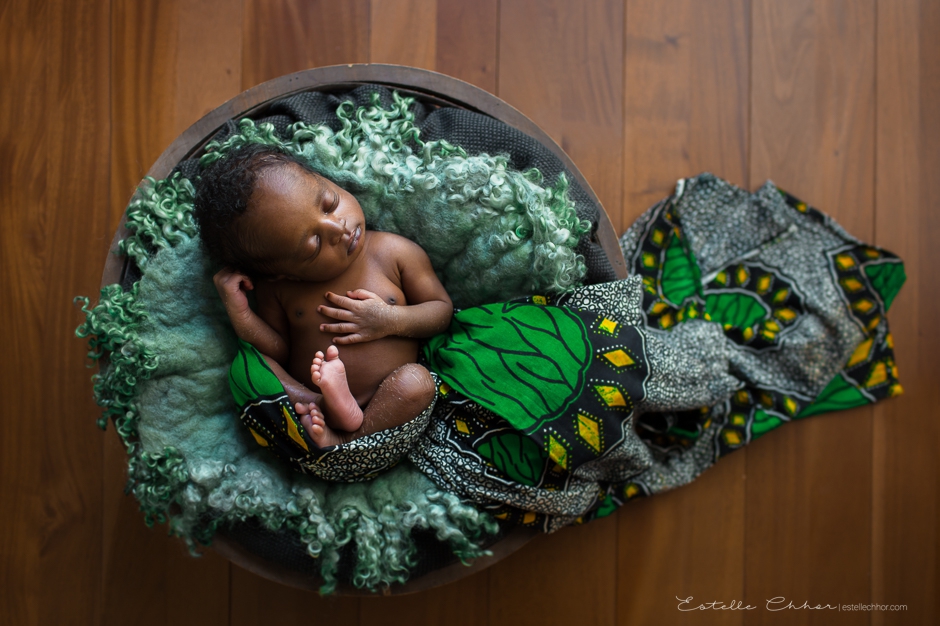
258,438
462,427
539,300
649,260
845,261
877,376
851,284
610,395
666,321
557,452
608,326
658,308
786,315
763,283
781,295
658,237
619,358
631,490
722,278
742,275
731,437
528,518
790,405
861,353
863,306
590,431
292,429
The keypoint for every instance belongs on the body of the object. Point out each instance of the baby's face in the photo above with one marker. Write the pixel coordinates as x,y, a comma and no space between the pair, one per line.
303,226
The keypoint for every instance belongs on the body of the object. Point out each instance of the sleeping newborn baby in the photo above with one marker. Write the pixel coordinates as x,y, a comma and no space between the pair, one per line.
321,281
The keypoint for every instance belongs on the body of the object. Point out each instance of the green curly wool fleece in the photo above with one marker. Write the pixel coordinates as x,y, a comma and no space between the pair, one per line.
491,233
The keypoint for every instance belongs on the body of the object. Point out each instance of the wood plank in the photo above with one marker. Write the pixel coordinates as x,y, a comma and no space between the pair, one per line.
568,577
24,37
65,96
463,602
405,32
256,600
686,96
684,545
685,111
561,64
906,490
284,36
808,524
466,46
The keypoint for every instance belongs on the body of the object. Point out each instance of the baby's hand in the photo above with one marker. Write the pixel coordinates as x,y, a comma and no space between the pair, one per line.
364,315
232,285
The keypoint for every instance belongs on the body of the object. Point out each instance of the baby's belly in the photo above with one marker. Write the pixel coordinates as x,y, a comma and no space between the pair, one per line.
367,364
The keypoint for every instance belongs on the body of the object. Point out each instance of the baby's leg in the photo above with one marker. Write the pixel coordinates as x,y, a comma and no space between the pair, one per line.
400,398
339,407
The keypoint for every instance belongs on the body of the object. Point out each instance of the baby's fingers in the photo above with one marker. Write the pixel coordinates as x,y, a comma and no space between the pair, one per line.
353,338
362,294
337,314
339,300
338,328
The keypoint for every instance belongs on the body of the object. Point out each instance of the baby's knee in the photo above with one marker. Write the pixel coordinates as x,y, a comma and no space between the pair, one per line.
415,384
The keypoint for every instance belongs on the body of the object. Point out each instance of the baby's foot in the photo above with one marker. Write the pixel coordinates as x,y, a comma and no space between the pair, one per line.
311,418
329,374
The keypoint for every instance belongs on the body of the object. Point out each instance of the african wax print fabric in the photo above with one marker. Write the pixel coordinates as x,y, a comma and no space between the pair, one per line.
744,311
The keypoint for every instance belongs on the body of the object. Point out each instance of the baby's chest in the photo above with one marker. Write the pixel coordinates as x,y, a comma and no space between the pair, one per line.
301,304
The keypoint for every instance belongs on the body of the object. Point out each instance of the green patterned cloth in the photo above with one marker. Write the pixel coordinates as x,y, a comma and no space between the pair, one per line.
744,311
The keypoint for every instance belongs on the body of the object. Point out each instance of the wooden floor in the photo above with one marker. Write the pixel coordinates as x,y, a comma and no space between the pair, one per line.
835,100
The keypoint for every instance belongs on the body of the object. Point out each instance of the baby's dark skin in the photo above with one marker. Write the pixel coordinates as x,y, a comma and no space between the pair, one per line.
335,285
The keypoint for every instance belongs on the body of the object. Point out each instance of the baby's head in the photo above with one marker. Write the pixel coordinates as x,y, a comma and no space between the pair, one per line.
267,213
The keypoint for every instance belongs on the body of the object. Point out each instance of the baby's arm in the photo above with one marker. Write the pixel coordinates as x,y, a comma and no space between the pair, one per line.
364,316
265,330
249,326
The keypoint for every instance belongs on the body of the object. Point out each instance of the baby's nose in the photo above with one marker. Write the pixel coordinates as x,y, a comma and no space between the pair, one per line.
335,229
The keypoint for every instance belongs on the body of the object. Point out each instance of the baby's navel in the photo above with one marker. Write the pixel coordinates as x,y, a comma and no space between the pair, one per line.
299,313
391,299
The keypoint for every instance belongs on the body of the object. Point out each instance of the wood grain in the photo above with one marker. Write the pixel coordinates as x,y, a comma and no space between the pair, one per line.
51,125
284,36
685,112
463,603
24,35
906,495
257,600
467,42
809,510
405,32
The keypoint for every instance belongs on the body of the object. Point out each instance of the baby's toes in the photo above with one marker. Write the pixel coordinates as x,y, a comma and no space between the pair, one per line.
331,353
301,408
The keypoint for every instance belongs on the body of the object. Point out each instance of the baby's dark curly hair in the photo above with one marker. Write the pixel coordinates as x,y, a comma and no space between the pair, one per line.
223,195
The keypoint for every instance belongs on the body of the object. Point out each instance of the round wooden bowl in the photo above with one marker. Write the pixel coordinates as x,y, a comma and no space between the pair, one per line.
426,86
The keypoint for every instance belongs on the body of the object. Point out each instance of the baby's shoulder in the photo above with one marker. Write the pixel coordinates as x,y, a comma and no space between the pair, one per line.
390,246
